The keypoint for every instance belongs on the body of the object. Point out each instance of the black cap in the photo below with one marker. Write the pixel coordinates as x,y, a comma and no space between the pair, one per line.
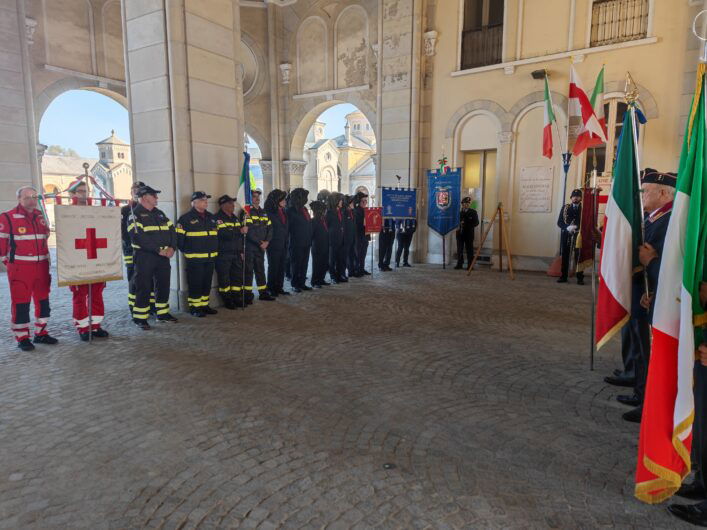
466,199
146,190
651,176
199,195
576,193
137,184
223,199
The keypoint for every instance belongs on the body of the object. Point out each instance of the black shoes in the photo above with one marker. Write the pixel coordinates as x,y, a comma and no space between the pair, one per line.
693,491
621,381
580,282
305,288
283,292
694,514
25,345
142,324
324,283
562,280
316,286
100,333
633,415
397,265
266,297
196,312
84,336
459,266
209,310
407,265
229,304
366,273
45,339
631,401
296,290
166,318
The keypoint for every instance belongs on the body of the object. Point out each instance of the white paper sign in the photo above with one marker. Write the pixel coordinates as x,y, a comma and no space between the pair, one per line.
88,244
536,189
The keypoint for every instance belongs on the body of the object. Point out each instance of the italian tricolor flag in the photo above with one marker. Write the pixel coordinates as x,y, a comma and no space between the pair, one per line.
581,110
620,240
668,409
549,117
587,138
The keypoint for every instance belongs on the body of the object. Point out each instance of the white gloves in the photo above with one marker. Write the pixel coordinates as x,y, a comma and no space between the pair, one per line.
572,229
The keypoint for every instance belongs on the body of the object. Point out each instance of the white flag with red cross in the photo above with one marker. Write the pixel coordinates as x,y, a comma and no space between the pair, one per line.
88,244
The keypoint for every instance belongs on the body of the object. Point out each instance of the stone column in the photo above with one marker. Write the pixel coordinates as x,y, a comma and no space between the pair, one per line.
18,160
185,98
293,173
266,166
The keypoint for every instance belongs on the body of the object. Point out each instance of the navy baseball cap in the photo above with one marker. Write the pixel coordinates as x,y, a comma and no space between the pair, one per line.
199,195
146,190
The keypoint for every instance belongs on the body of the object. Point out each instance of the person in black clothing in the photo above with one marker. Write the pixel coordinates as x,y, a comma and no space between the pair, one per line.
197,238
154,242
230,247
406,229
127,245
320,244
258,237
468,221
362,239
385,244
349,222
569,221
300,225
337,254
277,249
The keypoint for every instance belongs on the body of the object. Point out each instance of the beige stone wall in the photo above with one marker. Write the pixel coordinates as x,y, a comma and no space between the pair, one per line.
509,97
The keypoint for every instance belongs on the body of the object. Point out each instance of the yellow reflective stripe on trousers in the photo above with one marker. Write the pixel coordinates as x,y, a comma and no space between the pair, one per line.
262,287
201,234
201,255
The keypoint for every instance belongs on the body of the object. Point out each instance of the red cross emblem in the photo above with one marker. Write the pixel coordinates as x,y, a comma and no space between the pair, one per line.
91,243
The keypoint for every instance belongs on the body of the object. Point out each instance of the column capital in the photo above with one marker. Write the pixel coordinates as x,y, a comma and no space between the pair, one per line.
505,137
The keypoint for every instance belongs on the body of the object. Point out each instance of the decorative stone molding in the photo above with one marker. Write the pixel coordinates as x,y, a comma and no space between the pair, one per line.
374,49
30,27
41,148
266,168
294,167
281,3
430,43
505,137
285,69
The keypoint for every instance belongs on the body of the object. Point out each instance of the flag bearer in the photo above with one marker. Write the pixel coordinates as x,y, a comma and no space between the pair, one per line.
154,242
406,230
197,239
23,250
78,191
385,244
569,221
468,221
127,245
230,247
258,238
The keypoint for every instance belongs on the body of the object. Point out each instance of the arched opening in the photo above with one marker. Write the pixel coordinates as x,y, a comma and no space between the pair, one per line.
253,149
339,149
85,127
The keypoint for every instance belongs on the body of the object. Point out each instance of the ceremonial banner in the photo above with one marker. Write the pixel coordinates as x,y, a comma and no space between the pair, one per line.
444,200
399,203
373,220
668,408
585,238
88,244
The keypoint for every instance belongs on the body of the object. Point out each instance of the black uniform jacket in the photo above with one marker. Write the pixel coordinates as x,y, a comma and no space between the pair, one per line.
320,235
468,220
360,218
280,230
349,222
259,230
230,239
197,236
300,224
407,226
336,226
151,230
125,212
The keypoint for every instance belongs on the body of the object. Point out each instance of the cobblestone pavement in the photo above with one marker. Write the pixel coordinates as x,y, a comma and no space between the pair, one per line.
476,389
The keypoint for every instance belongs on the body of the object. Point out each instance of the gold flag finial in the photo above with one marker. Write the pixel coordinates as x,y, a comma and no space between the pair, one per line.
630,89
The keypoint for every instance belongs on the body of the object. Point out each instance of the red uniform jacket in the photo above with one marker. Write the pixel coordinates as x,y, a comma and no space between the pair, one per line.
23,235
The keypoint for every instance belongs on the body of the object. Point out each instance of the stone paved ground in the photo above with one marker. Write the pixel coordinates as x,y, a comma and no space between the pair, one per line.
477,390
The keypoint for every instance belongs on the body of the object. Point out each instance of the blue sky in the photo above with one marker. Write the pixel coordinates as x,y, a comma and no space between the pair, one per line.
79,118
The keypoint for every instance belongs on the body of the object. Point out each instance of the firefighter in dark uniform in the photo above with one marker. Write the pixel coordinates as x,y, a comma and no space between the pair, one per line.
258,238
127,245
230,247
197,238
468,221
385,244
569,221
154,242
406,230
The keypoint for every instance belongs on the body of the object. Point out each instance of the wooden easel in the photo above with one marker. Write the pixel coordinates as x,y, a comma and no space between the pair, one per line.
503,236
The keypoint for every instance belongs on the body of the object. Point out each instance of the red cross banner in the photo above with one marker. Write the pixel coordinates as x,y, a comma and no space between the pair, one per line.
88,244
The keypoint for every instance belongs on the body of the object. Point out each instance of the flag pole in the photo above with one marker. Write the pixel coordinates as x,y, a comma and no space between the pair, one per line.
631,97
595,207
